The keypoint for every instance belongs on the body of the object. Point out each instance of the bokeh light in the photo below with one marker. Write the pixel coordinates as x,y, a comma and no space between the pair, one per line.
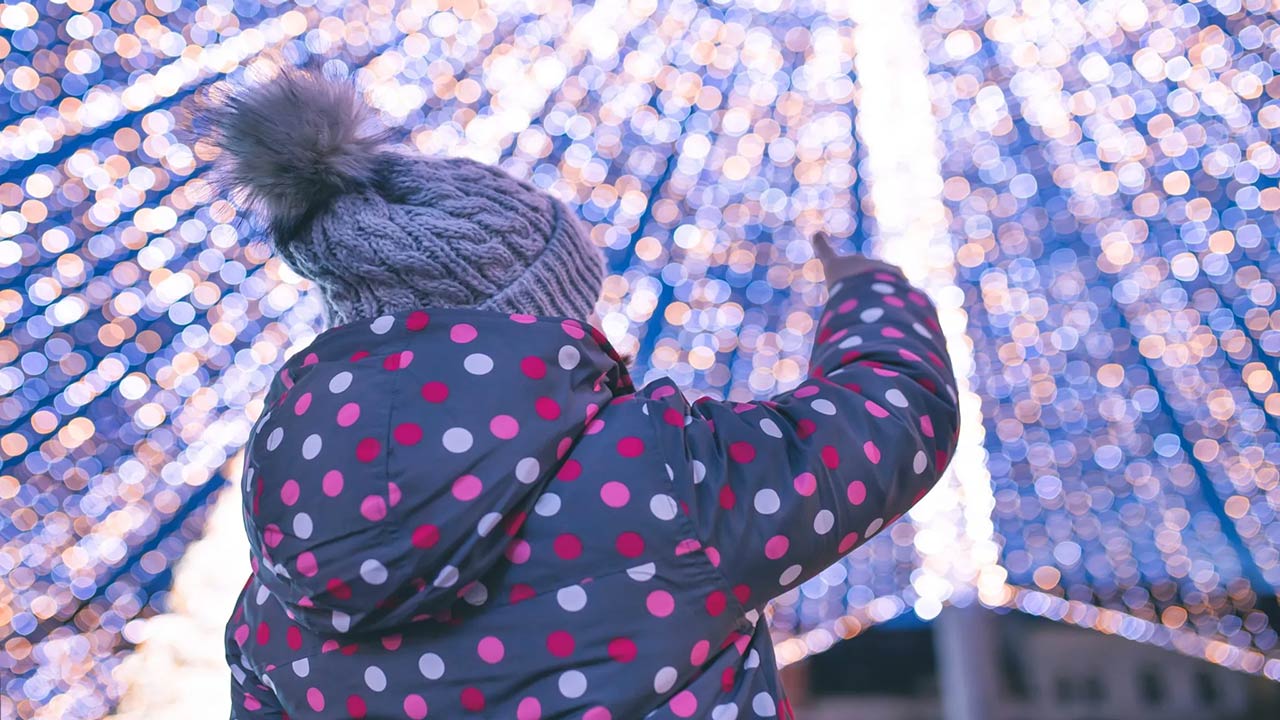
1097,224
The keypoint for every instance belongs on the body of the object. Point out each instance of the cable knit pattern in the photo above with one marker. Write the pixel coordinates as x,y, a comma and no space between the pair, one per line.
450,233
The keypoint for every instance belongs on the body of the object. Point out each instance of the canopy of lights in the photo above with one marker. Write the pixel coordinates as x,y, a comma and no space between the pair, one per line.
1087,189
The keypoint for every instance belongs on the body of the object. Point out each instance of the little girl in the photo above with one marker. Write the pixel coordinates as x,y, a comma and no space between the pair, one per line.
458,504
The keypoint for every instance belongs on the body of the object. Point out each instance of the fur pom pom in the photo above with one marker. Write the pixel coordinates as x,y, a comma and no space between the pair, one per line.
289,145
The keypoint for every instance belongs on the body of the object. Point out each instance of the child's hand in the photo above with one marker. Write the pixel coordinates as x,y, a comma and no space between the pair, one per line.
837,267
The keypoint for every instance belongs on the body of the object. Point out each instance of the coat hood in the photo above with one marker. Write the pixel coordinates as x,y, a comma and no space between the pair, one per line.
430,435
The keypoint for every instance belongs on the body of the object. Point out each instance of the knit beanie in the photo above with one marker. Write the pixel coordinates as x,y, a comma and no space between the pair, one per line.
380,229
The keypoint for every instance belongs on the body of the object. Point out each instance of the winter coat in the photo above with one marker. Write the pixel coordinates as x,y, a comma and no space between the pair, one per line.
457,513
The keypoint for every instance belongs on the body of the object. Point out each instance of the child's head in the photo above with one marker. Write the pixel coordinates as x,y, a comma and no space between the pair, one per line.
380,230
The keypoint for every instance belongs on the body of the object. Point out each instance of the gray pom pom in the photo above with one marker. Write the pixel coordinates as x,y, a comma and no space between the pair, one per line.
290,144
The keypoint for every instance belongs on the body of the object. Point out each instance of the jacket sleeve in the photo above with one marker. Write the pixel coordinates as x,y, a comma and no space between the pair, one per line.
781,489
251,698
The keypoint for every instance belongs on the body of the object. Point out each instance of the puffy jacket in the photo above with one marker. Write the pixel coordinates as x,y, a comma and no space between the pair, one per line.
459,513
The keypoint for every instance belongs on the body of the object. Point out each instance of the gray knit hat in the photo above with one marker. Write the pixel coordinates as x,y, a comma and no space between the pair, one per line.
379,229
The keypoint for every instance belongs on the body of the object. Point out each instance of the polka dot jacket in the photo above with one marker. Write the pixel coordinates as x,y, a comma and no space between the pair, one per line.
461,513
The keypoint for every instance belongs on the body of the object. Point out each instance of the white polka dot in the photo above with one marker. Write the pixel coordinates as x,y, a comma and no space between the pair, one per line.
874,527
920,463
341,621
882,288
896,398
644,409
671,474
273,440
476,595
447,578
382,324
569,357
431,666
302,668
724,712
823,522
547,505
311,446
527,470
753,658
573,684
663,507
767,502
373,572
789,575
770,428
478,364
699,471
823,406
872,314
664,680
237,673
340,382
457,440
572,598
263,594
762,704
922,330
851,341
488,523
375,678
642,573
835,288
302,526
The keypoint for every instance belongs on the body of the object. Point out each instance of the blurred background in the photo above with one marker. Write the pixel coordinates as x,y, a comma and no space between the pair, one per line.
1088,190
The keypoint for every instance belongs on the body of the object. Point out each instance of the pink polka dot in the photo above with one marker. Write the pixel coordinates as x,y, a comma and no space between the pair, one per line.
523,319
241,634
356,707
615,494
560,643
743,452
467,487
271,535
776,547
491,650
595,426
533,367
332,483
472,700
504,427
306,563
713,555
251,703
289,492
805,483
892,332
630,544
425,536
684,704
622,650
873,452
567,546
310,359
373,508
630,447
414,706
416,321
519,551
573,329
315,699
302,404
660,603
398,361
876,410
462,333
348,414
830,457
435,392
926,425
598,712
546,408
848,542
571,470
664,391
408,433
529,709
700,651
857,492
805,391
367,449
847,305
